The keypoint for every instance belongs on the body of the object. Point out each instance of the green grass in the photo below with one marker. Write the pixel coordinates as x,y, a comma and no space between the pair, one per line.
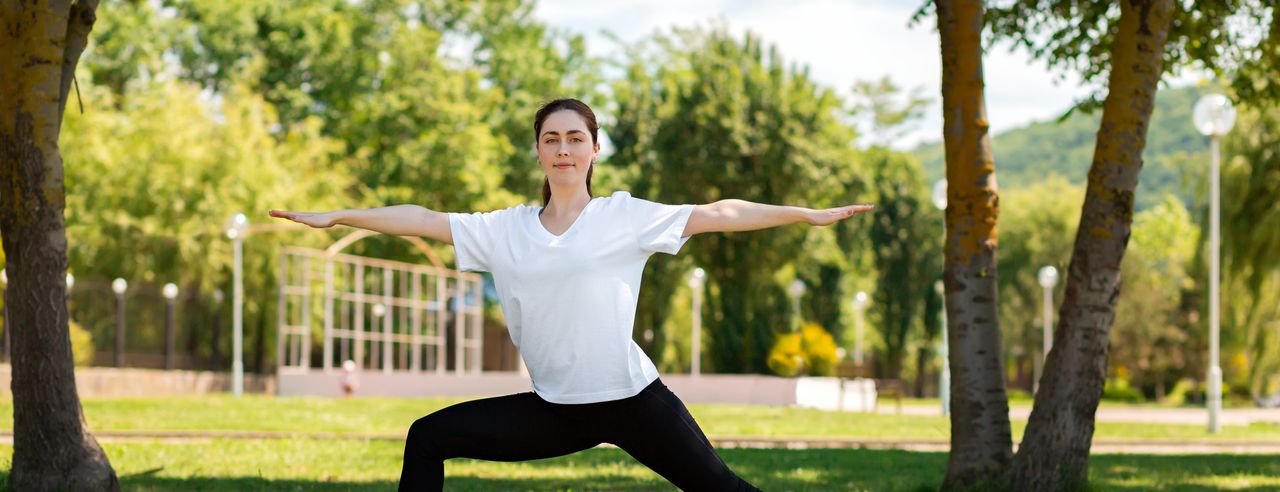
393,416
301,464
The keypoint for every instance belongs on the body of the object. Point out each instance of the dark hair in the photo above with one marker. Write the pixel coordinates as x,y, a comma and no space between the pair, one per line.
587,115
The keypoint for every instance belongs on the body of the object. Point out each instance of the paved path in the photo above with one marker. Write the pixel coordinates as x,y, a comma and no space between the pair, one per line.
1144,415
1135,446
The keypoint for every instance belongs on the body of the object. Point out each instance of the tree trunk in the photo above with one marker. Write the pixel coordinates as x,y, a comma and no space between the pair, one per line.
40,44
981,446
1054,454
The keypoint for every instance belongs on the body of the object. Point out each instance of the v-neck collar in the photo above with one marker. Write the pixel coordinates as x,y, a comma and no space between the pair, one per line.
542,230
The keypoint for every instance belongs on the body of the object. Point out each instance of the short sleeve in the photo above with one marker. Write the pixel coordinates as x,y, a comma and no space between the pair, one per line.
658,227
474,237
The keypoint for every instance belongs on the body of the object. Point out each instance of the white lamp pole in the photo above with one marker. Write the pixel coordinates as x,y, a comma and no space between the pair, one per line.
1048,277
4,280
236,231
119,286
796,291
695,283
1214,117
170,292
944,376
859,305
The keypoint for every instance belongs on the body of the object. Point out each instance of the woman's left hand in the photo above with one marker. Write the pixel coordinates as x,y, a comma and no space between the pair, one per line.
832,215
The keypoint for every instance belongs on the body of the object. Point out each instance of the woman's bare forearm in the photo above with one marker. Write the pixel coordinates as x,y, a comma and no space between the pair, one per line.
733,215
741,215
396,220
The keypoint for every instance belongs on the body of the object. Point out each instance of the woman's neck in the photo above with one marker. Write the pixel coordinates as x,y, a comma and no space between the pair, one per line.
566,202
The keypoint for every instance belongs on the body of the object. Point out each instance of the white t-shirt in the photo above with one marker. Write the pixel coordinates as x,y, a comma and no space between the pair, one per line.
570,300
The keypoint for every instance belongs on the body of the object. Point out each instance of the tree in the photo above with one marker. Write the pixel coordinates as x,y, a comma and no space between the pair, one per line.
981,444
1133,46
1036,226
705,117
1148,334
40,45
1251,228
904,242
1054,453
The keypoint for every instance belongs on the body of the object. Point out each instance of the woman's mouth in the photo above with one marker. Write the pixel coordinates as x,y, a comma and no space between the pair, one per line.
563,165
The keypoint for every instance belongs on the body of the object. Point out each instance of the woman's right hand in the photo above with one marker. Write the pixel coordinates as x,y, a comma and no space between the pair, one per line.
318,220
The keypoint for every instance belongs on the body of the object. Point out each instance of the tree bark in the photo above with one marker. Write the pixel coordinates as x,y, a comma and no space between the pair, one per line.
40,44
1054,454
981,446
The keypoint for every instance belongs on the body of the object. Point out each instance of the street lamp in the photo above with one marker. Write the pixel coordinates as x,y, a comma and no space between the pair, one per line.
695,284
170,292
1213,117
796,291
236,230
859,305
1048,277
944,375
119,286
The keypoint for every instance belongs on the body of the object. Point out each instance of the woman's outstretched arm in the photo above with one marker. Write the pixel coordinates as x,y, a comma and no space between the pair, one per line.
740,215
396,220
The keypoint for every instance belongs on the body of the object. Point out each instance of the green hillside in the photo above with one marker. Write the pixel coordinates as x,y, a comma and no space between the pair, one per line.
1029,154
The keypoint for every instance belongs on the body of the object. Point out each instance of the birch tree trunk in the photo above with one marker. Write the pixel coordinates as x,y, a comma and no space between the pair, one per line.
40,44
981,446
1054,454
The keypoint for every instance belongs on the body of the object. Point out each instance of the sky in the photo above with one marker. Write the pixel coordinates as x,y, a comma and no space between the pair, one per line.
841,41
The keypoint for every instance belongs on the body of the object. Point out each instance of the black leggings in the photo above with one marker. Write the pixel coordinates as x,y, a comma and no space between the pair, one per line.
653,427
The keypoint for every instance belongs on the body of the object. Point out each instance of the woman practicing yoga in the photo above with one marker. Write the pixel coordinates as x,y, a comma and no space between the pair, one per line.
568,277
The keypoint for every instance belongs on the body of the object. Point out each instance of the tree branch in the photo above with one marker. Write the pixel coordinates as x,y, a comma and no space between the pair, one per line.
79,23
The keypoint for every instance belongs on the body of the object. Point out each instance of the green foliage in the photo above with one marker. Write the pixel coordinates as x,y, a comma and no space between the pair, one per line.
1037,226
906,243
702,116
1028,155
811,351
1118,389
1235,38
1149,331
81,344
151,185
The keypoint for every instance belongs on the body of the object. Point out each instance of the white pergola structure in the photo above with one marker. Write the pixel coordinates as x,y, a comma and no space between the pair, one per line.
389,317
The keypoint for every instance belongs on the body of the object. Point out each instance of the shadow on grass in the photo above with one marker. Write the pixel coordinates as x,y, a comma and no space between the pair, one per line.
769,469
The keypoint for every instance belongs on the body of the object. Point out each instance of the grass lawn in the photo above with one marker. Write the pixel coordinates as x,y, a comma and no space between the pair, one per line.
393,416
303,464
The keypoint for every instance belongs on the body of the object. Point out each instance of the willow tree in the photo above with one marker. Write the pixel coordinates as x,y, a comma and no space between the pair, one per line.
40,44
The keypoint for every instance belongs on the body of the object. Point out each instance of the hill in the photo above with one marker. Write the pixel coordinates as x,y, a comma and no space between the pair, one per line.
1029,154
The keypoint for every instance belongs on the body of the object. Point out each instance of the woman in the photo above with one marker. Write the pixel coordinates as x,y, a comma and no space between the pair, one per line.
568,277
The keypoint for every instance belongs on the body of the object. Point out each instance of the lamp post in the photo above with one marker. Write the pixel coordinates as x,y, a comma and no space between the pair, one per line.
71,282
4,280
170,292
1214,117
380,357
216,331
1048,277
944,375
695,284
119,286
859,306
795,291
236,230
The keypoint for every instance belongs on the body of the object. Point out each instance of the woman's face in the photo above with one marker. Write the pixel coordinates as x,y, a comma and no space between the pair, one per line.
565,148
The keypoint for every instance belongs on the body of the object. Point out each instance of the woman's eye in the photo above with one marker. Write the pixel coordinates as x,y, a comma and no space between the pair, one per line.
577,139
550,140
